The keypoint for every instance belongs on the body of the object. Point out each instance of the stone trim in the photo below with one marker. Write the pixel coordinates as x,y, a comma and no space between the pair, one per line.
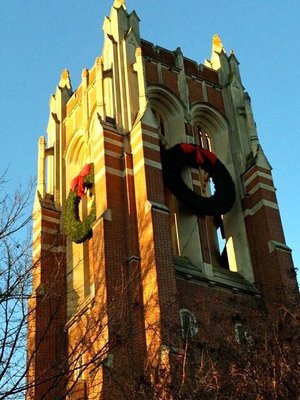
114,142
153,206
261,186
220,279
258,206
256,174
148,162
274,245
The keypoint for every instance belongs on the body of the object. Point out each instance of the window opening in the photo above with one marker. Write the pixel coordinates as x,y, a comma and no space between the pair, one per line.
170,200
205,143
216,234
160,125
218,221
189,328
242,336
204,139
79,276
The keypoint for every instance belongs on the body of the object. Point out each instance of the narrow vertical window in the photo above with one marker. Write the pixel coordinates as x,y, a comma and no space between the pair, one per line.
215,227
189,328
171,202
242,336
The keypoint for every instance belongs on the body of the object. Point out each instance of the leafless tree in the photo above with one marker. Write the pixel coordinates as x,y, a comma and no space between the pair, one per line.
259,361
15,267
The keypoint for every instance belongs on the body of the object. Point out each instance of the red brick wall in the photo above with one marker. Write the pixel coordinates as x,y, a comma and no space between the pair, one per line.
46,335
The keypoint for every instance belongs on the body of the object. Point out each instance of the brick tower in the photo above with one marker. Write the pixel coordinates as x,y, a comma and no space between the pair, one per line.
121,289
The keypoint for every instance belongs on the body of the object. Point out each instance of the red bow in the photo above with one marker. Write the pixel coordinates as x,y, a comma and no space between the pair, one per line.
189,148
77,184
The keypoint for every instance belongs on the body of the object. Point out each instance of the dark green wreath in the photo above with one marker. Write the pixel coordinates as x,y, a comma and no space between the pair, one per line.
79,231
184,154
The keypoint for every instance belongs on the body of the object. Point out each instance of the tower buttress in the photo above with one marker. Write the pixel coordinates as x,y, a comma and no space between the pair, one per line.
151,282
260,208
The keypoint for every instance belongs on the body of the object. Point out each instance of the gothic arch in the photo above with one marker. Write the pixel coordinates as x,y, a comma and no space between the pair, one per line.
184,232
189,326
215,125
171,110
77,150
210,117
77,156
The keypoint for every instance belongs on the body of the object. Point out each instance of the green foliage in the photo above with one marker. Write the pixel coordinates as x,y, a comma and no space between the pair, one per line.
88,180
78,231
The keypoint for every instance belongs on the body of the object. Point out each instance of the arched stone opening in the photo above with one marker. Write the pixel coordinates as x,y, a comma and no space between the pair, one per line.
169,113
78,271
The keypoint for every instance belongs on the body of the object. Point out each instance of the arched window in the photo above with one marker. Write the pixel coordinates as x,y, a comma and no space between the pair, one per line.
210,243
241,335
215,226
189,328
160,125
204,139
171,201
169,114
226,233
77,254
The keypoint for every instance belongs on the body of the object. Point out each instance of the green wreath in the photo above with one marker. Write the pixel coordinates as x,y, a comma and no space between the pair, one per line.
182,154
79,231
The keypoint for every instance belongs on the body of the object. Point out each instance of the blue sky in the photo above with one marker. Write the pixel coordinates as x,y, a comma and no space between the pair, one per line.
40,38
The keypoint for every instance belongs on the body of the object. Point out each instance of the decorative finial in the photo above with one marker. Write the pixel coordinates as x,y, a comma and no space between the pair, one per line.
217,44
119,3
65,79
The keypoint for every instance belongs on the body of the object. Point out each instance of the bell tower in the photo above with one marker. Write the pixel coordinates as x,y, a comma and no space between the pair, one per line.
124,270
